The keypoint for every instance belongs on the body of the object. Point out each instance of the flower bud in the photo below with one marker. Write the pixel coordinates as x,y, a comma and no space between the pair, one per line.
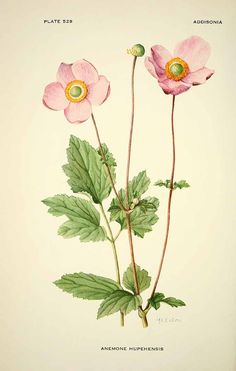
137,50
136,201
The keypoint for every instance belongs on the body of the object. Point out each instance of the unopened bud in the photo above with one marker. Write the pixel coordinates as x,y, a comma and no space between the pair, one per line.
137,50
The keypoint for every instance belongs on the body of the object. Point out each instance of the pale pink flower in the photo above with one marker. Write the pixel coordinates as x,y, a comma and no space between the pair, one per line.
186,67
77,88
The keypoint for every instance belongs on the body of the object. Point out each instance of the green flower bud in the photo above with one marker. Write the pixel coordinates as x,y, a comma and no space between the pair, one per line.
136,201
137,50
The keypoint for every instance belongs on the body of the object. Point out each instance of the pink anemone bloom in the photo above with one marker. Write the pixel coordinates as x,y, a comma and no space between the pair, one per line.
77,88
186,67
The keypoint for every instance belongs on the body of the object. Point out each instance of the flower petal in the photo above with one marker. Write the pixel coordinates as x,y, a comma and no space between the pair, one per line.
160,56
173,87
85,71
149,64
54,97
64,74
78,112
99,92
195,51
198,77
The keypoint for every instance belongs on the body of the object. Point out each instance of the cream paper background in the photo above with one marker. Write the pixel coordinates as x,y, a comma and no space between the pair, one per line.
45,329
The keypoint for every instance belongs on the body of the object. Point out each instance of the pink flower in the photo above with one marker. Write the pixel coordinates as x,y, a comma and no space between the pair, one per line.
186,67
78,87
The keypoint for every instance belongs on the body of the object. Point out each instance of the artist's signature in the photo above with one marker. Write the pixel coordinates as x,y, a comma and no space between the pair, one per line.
57,21
168,320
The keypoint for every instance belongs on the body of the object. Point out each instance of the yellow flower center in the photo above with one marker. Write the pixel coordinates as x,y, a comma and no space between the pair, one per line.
176,69
76,91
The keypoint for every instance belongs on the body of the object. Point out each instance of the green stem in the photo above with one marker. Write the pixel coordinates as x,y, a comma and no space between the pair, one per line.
113,244
117,234
122,319
145,321
112,241
143,315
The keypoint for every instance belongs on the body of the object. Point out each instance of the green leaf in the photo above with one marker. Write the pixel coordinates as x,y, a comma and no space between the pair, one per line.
144,279
119,300
138,185
149,203
181,184
84,219
143,215
162,183
173,302
109,158
155,301
87,286
115,209
143,220
86,171
159,298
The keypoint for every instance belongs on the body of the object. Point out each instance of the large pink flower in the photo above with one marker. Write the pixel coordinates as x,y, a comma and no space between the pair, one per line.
186,67
78,87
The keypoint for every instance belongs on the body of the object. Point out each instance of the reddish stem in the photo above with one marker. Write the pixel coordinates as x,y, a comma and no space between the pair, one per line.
127,185
170,198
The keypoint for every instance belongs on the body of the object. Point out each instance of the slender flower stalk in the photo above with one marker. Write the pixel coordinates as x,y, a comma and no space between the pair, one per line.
127,184
113,244
170,199
131,133
137,51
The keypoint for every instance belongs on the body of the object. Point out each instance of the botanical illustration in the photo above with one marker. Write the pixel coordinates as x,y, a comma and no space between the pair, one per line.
91,174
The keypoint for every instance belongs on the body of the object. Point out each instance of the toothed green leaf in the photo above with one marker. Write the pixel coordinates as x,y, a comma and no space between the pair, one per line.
166,183
173,302
159,298
109,158
86,171
87,286
143,215
119,300
155,301
144,279
84,219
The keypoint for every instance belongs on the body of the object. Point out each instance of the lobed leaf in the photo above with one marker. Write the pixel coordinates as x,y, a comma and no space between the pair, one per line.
84,219
86,171
143,215
142,221
180,184
119,300
109,158
159,298
87,286
144,279
173,302
155,301
138,185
